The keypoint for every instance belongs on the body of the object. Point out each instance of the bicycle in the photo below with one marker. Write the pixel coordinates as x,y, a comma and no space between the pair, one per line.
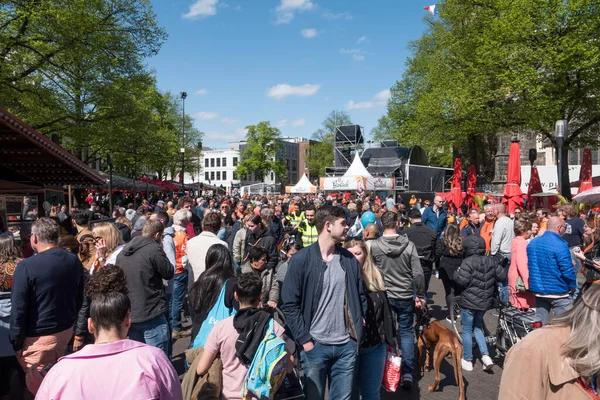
513,324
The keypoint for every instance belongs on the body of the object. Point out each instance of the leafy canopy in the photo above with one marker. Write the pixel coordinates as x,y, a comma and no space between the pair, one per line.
263,141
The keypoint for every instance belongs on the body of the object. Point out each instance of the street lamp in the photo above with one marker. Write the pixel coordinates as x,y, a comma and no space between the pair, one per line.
562,131
109,161
183,96
199,154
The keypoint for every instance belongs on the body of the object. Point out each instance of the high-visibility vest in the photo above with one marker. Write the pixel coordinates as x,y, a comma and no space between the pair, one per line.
309,233
295,219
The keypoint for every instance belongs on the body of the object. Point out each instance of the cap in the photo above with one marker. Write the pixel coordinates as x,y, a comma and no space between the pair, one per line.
160,203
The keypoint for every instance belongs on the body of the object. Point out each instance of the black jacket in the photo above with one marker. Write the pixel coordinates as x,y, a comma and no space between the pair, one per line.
302,289
145,265
477,275
448,262
425,240
46,295
265,240
125,231
81,325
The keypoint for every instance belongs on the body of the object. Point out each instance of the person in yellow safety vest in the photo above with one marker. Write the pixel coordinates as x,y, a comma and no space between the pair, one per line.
295,217
307,229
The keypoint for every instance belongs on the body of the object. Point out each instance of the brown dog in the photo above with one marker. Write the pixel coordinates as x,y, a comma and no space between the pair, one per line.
443,342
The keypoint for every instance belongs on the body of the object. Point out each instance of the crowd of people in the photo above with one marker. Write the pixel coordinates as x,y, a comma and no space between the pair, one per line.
339,279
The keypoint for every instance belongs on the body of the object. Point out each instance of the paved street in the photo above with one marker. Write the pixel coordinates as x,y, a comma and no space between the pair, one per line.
478,384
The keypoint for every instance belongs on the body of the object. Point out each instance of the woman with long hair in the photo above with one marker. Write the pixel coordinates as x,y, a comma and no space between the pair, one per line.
10,256
379,331
560,360
204,293
129,369
108,242
451,254
518,266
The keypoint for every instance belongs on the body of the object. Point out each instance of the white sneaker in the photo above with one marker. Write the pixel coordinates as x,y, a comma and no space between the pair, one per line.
487,363
466,365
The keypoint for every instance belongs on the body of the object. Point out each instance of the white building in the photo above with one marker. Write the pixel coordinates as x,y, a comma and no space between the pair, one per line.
217,167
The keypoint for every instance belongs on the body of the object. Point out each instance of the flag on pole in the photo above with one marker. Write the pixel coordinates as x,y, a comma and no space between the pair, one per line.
431,9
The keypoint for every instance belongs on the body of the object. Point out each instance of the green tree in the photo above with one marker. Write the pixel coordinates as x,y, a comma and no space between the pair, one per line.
263,141
75,67
321,154
501,67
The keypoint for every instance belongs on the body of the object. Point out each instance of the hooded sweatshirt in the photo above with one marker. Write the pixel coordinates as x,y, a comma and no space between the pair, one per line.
145,265
397,258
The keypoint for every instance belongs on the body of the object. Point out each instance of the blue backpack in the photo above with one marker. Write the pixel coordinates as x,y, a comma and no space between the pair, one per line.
217,313
267,371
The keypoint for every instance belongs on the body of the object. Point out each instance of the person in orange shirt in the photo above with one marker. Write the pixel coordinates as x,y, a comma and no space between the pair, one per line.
542,216
487,226
181,219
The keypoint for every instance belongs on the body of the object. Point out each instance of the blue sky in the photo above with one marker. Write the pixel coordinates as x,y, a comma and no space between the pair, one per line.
287,61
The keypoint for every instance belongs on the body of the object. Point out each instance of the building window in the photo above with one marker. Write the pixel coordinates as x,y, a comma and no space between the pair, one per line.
305,165
271,176
206,176
224,162
212,162
294,165
218,174
235,161
206,162
224,175
212,175
218,162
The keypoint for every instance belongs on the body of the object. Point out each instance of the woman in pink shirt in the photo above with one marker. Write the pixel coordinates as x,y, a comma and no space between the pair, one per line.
113,367
518,266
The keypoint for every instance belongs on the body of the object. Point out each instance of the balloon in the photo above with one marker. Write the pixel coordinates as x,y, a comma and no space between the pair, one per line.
367,218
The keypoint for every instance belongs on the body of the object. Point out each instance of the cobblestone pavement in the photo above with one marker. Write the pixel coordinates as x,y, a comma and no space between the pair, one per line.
479,385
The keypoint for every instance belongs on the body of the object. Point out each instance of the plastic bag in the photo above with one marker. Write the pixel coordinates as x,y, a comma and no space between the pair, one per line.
391,373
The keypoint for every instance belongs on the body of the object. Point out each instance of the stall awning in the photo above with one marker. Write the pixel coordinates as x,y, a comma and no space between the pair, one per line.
28,156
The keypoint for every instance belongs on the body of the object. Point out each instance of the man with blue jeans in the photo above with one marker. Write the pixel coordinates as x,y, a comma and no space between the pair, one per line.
551,275
324,305
398,260
145,265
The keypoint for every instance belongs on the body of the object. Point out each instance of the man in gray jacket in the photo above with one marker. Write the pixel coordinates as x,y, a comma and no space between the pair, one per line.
503,235
397,258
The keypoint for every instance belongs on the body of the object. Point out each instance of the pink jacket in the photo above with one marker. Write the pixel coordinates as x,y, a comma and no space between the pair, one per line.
120,370
518,267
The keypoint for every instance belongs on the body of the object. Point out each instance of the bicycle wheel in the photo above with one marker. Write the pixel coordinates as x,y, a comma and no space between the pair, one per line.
455,317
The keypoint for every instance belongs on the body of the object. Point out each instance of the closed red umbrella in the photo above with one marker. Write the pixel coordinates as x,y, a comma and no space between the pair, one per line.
535,187
456,195
471,183
513,196
585,174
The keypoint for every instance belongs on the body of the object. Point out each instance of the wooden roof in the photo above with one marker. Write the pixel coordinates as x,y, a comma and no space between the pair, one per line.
28,156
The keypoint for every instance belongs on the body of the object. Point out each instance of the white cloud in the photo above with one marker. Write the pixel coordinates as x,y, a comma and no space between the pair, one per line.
379,100
357,54
281,123
201,92
287,9
241,131
363,39
309,33
334,16
225,136
298,123
202,9
206,115
228,120
384,95
284,90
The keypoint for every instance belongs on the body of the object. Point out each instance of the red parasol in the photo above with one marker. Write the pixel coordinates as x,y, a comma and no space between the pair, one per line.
535,187
513,196
471,183
585,174
456,195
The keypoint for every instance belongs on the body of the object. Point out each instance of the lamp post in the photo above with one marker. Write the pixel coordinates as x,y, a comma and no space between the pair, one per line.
562,131
183,96
109,161
199,170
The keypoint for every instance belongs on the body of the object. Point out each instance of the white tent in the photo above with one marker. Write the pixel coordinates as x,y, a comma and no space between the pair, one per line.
303,186
357,169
